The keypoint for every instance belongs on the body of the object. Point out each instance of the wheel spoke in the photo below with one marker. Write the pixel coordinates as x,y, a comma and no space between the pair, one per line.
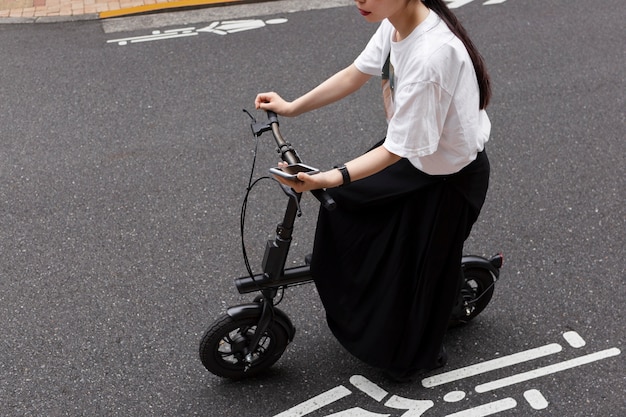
225,347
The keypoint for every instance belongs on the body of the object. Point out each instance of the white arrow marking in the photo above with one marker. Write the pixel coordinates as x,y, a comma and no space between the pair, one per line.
357,412
415,407
317,402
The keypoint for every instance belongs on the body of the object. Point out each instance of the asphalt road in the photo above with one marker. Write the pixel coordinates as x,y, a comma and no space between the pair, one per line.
123,166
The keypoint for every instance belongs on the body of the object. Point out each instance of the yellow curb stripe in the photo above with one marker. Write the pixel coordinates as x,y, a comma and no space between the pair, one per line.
160,6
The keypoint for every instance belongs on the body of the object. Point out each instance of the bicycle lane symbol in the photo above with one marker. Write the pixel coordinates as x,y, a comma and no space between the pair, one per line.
218,28
416,408
234,26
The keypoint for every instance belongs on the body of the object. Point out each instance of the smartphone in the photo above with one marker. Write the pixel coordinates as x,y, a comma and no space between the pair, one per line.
291,171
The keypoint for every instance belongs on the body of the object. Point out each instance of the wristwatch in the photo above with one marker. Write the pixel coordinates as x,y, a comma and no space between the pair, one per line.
344,174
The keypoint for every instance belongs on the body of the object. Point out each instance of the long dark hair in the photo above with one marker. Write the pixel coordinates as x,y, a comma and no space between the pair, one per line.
484,84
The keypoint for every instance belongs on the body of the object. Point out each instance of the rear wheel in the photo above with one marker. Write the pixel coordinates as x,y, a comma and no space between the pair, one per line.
224,349
476,293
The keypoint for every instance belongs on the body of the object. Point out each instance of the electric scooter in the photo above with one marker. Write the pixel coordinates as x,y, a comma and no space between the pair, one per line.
250,338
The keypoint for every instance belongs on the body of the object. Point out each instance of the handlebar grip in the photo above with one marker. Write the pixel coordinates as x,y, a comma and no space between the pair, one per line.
327,201
271,116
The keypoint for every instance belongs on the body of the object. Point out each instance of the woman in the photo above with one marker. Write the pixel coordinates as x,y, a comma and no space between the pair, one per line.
387,262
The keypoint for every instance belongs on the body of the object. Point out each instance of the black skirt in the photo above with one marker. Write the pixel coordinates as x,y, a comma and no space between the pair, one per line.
387,261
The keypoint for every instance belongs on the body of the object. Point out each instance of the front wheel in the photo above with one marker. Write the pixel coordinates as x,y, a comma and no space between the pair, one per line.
224,349
476,293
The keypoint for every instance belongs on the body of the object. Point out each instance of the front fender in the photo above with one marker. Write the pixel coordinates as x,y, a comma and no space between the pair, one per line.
473,261
256,309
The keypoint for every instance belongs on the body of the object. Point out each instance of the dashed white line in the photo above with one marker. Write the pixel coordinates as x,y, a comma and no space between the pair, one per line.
487,409
547,370
491,365
536,399
574,339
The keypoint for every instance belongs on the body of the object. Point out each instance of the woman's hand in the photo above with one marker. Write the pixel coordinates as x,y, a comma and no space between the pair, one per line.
307,182
365,165
273,102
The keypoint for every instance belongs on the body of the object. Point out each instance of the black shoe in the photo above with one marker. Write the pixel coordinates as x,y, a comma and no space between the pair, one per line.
412,376
405,377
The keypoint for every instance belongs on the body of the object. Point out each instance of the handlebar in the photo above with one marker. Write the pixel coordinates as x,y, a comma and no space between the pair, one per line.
289,154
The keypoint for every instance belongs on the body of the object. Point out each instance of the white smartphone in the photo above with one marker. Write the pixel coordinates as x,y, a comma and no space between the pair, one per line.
291,171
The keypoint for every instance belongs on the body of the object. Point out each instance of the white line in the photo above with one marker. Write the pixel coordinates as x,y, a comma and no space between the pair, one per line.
153,37
317,402
357,412
183,30
415,407
458,3
128,39
171,36
491,365
536,399
209,28
574,339
487,409
368,387
547,370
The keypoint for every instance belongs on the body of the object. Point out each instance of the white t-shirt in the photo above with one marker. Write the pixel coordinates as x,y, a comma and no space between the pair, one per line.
436,122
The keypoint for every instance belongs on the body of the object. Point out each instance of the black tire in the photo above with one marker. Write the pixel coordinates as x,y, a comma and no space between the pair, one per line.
476,293
224,347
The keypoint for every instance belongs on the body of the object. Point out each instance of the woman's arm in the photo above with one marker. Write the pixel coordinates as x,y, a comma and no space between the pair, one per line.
340,85
365,165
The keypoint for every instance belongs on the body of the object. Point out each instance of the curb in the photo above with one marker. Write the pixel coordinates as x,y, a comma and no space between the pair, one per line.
49,19
130,11
180,4
246,8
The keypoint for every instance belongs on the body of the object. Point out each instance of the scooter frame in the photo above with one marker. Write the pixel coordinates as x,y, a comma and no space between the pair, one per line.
276,277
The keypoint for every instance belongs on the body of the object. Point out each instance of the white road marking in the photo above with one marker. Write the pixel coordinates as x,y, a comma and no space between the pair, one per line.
454,396
317,402
368,387
487,409
157,35
574,339
276,21
491,365
547,370
536,400
453,4
164,36
233,26
357,412
415,407
218,28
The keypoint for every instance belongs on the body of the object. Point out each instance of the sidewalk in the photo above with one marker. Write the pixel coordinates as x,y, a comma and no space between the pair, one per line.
59,10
